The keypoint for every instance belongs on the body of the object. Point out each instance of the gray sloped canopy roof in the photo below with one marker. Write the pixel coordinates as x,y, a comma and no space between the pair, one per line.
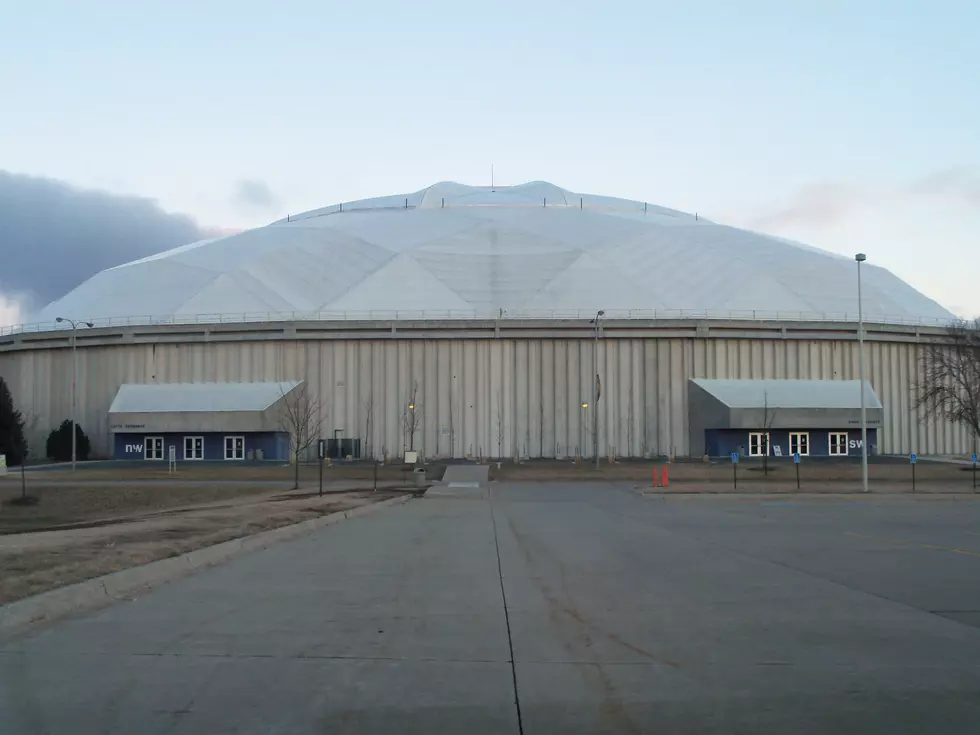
455,250
794,394
198,397
779,404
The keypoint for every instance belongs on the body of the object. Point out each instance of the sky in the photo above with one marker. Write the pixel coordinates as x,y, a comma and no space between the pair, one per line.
851,126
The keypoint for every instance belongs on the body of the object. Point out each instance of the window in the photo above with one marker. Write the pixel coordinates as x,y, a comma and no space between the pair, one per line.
234,447
799,442
758,444
838,444
193,447
153,447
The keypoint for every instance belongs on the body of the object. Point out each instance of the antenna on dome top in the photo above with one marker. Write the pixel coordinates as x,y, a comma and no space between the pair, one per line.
491,176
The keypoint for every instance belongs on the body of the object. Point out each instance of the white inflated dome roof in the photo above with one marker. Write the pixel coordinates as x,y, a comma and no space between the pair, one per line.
453,251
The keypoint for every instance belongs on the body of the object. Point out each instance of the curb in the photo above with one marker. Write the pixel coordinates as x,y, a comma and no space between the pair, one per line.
95,592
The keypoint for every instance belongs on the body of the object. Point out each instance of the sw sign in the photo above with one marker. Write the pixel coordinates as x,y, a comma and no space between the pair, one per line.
855,443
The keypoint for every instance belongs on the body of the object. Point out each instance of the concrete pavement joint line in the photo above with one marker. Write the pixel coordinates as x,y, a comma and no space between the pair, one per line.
708,543
503,594
943,612
831,581
97,591
340,657
963,496
282,657
900,542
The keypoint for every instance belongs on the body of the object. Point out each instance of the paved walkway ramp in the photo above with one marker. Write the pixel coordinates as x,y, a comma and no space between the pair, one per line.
465,475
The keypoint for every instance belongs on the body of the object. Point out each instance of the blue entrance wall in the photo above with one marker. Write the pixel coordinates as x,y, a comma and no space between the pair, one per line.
274,445
723,442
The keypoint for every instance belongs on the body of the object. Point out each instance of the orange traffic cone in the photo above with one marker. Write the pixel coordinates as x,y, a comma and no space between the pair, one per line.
664,481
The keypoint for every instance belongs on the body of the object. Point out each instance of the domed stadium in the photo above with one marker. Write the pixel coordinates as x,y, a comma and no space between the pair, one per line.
521,321
454,251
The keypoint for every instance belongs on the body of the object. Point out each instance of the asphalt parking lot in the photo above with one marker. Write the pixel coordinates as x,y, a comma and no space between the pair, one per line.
543,608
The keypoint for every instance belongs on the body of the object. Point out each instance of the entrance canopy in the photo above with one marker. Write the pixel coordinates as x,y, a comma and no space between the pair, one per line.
780,404
199,407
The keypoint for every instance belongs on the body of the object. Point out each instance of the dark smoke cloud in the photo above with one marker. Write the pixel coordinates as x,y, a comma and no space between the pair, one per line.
54,236
252,194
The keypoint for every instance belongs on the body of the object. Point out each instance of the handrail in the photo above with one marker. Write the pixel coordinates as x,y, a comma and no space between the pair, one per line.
494,315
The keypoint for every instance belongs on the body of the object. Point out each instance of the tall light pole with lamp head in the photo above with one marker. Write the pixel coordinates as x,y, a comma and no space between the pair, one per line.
595,388
860,258
74,368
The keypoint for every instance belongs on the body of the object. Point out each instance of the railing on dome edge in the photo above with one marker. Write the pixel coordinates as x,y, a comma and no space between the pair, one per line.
496,315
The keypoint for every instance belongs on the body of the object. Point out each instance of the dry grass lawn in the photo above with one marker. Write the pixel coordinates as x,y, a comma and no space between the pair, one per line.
106,529
75,505
226,472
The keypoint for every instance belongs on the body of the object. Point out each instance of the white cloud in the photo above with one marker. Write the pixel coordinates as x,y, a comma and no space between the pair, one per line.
925,232
11,312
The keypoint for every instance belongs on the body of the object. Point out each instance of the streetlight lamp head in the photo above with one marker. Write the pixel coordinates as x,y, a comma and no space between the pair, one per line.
601,312
585,405
89,325
59,320
860,257
411,406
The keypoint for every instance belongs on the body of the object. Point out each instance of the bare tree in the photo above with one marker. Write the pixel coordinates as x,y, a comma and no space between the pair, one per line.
629,421
540,429
369,423
30,425
500,427
950,377
298,414
768,418
411,417
452,419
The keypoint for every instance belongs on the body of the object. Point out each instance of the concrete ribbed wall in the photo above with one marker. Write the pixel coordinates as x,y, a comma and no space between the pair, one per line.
496,395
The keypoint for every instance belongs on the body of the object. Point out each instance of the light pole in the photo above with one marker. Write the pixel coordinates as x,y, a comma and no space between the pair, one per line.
595,389
860,258
74,368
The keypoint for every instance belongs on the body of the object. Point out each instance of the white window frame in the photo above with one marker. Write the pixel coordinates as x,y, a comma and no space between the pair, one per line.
794,438
193,439
761,435
830,443
231,456
157,442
